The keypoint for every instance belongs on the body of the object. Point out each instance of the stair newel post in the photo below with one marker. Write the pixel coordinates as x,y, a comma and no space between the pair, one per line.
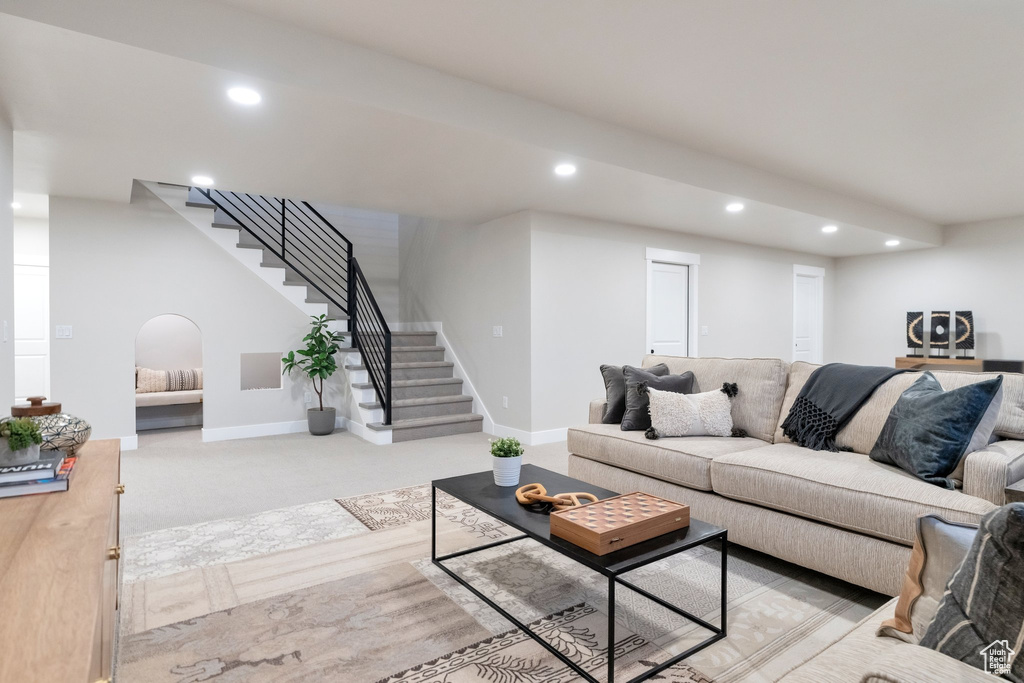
283,240
351,302
387,377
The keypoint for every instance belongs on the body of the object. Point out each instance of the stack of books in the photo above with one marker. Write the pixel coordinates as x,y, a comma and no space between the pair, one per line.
50,473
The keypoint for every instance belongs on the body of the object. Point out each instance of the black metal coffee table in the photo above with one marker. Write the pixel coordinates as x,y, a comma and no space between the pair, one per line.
479,491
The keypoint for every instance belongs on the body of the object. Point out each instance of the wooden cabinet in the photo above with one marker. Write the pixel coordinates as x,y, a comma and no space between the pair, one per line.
58,575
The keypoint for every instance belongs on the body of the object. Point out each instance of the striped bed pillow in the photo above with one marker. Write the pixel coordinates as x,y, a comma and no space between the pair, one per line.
150,381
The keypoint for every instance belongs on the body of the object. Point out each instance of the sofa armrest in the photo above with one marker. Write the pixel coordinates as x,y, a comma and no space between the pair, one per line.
597,410
916,664
988,471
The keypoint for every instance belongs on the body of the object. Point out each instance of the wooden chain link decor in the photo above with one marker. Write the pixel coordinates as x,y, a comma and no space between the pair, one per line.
532,494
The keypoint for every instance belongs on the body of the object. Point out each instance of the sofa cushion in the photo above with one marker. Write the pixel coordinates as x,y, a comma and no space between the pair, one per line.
168,398
845,489
762,384
861,432
685,460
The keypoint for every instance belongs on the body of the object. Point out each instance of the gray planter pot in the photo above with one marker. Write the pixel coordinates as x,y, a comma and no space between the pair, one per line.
25,456
321,422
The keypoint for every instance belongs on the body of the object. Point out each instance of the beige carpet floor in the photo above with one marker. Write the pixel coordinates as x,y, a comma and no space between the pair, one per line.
174,479
345,591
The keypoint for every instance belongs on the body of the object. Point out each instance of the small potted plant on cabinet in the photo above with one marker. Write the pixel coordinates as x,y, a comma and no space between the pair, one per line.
19,441
317,362
507,459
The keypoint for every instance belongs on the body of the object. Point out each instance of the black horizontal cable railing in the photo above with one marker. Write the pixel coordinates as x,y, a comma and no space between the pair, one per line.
372,335
308,244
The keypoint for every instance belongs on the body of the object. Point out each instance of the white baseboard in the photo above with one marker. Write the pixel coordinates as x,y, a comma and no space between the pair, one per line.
378,438
250,431
530,438
130,443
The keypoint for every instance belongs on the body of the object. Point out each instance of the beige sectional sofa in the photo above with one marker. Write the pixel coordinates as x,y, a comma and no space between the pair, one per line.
838,513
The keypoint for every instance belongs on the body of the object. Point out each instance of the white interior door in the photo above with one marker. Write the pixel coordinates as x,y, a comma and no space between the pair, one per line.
808,304
668,308
31,327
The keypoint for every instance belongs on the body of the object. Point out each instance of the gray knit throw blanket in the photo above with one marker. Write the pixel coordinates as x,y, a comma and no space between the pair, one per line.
831,397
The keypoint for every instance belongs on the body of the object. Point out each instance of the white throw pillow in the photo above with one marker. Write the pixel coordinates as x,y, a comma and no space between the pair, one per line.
706,414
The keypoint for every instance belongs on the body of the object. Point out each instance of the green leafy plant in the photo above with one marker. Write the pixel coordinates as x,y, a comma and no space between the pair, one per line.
507,447
316,361
20,433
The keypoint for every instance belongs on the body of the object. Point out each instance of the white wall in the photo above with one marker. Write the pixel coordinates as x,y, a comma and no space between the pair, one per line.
374,237
471,278
113,267
978,268
588,292
6,264
169,342
31,241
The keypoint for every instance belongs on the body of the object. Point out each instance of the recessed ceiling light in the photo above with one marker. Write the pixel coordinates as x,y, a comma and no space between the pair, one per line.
246,96
565,169
15,205
892,243
202,180
830,228
735,207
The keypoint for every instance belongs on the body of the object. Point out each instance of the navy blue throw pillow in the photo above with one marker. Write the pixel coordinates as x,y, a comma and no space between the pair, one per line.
929,430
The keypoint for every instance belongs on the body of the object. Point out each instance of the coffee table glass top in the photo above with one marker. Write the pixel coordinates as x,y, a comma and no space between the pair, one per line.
480,491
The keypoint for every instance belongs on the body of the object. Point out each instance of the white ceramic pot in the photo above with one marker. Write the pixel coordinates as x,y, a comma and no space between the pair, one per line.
506,470
25,456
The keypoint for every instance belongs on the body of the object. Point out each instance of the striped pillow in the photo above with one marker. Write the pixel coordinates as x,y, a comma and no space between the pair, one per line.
150,381
979,620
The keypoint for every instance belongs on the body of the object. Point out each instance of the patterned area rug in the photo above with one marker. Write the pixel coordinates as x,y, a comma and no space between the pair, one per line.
345,591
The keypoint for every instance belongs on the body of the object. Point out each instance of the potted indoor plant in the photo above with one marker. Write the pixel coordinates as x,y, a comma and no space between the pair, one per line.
19,441
507,460
317,362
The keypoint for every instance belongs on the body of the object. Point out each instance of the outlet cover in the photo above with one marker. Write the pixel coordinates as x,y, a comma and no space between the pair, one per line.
309,397
704,331
504,401
63,332
497,332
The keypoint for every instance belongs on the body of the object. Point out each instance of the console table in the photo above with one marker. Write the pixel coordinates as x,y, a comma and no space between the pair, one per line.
925,363
58,575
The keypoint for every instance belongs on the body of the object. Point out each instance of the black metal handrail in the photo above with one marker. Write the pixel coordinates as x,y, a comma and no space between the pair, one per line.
310,245
371,334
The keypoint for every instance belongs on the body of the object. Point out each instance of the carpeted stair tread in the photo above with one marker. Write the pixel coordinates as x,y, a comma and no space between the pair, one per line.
426,422
411,402
412,382
409,366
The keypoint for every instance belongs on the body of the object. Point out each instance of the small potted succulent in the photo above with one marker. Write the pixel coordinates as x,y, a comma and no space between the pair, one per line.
317,362
19,441
507,460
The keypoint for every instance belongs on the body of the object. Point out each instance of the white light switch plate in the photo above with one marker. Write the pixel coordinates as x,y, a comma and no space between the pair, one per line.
64,332
497,331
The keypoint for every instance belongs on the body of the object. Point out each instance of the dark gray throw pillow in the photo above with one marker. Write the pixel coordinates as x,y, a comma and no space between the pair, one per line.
979,619
638,414
615,390
929,430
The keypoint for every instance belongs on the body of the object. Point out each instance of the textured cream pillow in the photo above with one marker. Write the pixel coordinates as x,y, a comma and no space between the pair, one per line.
706,414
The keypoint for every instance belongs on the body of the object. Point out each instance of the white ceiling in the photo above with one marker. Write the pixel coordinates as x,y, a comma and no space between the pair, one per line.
912,104
100,97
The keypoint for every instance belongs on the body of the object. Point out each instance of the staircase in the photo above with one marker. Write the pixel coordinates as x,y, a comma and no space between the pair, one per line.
403,386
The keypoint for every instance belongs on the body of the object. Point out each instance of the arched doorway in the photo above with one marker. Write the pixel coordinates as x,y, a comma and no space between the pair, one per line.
168,373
